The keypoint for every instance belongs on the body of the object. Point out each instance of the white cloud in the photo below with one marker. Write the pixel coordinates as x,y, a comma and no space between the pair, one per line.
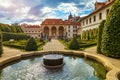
6,3
32,23
46,10
90,4
17,10
68,7
83,15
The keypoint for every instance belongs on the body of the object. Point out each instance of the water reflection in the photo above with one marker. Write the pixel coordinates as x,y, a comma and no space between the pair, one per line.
75,68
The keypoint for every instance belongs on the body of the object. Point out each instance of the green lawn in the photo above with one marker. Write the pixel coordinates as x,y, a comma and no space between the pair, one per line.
82,43
22,43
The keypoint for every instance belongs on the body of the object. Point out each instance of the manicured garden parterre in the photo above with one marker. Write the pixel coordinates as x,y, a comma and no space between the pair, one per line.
82,43
20,44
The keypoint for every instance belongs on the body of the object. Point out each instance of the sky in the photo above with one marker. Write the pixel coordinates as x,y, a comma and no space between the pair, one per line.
35,11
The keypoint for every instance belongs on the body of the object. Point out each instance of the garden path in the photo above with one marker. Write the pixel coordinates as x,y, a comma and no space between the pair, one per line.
115,62
53,45
9,52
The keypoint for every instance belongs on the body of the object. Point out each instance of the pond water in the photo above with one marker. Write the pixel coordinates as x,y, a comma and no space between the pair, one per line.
75,68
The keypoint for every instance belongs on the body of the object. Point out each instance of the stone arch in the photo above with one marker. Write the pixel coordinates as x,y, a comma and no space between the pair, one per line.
88,34
54,32
84,35
61,31
91,34
46,32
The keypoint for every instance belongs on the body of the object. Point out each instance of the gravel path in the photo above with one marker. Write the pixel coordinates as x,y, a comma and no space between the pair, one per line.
115,62
53,45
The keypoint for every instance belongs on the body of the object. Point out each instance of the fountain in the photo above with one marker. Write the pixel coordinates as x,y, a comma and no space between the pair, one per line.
53,61
53,67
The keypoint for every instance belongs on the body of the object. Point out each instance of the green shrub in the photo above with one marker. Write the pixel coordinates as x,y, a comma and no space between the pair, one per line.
100,32
31,45
16,36
111,33
74,44
1,50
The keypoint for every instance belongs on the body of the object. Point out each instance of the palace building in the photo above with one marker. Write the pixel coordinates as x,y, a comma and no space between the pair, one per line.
91,22
54,28
58,28
31,30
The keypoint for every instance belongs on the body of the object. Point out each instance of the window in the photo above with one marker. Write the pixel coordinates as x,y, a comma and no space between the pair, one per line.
74,27
94,18
107,11
100,16
83,22
68,30
89,20
74,30
69,26
86,21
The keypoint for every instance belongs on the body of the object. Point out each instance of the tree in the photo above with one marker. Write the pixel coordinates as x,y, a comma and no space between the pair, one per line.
31,45
74,44
111,33
1,50
100,32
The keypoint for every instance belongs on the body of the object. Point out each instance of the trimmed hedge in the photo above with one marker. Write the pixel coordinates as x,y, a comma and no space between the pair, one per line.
1,50
88,45
100,32
15,36
15,46
31,45
111,33
74,44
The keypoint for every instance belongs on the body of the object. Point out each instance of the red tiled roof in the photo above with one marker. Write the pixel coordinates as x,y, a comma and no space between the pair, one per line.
52,21
58,22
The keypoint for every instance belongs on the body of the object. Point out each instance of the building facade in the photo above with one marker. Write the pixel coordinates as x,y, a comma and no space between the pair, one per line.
31,30
92,21
57,28
54,28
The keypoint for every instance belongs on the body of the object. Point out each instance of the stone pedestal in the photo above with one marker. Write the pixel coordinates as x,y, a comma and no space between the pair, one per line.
53,60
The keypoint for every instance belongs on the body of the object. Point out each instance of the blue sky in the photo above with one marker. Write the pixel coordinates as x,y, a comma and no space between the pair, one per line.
35,11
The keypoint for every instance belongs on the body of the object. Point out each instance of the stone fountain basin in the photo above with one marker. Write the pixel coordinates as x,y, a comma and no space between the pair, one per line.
113,72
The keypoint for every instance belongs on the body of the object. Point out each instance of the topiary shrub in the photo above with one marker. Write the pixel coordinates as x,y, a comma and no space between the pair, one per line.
31,45
111,33
1,50
74,44
100,32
